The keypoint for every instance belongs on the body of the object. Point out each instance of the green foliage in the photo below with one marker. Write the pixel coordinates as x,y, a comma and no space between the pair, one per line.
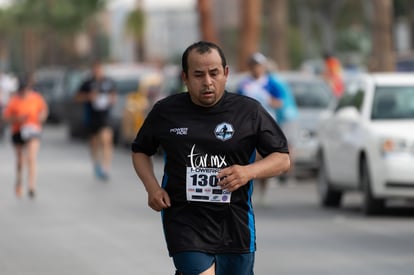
352,13
136,23
400,7
62,16
6,22
296,54
353,40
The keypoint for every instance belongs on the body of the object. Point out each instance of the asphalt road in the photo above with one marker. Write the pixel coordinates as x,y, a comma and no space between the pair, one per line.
78,225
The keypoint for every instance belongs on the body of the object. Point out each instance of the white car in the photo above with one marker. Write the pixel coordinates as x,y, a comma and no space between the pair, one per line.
368,142
314,100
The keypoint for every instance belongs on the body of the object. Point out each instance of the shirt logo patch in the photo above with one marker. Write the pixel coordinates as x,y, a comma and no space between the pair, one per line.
224,131
179,131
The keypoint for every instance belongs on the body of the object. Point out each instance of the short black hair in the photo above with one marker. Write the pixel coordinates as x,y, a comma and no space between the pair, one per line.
201,47
24,80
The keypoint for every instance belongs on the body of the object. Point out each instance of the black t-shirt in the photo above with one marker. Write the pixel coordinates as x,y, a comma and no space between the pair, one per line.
104,87
197,142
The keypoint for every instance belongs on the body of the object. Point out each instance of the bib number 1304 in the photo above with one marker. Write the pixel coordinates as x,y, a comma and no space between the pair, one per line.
202,185
204,180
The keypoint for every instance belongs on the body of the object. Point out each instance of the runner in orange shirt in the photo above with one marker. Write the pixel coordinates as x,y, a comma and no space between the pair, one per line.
333,74
26,111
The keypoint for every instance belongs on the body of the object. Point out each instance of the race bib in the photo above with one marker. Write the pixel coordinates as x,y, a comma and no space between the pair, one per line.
101,102
202,185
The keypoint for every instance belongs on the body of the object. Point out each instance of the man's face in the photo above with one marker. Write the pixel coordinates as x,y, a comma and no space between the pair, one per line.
206,78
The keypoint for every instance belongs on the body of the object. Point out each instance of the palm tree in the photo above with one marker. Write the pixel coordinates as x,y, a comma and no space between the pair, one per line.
207,28
136,25
279,24
250,30
382,48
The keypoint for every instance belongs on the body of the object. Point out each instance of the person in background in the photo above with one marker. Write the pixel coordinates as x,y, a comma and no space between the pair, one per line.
26,111
287,117
8,84
209,138
260,85
98,93
263,87
333,74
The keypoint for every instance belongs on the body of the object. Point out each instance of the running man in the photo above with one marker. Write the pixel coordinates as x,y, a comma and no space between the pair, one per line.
98,93
205,194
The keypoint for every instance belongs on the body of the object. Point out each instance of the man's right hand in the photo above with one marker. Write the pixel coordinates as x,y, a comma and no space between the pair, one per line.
159,199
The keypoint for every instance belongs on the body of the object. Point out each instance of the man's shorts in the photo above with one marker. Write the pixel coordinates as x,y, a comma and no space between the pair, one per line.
98,122
194,263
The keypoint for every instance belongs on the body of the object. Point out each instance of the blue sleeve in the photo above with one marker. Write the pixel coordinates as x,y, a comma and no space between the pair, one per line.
276,88
239,89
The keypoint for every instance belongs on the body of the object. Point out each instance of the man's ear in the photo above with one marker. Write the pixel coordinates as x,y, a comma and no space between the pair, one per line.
184,76
226,71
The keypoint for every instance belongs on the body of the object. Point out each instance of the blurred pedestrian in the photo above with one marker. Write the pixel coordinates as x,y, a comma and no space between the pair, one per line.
7,86
210,138
287,116
98,93
260,85
333,74
26,111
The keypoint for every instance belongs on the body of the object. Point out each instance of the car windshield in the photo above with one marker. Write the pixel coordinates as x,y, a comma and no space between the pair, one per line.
393,103
45,86
125,86
309,94
73,81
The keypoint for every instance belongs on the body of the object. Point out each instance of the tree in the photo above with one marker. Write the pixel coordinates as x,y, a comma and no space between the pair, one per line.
279,24
41,26
207,28
250,30
382,58
136,25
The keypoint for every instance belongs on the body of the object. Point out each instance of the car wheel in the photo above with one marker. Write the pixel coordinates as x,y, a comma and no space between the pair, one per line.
328,196
370,204
72,133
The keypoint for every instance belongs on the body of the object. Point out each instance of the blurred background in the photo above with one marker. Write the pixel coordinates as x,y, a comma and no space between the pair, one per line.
141,42
370,34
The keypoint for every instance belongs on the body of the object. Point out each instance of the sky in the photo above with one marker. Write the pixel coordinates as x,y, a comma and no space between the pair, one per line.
151,4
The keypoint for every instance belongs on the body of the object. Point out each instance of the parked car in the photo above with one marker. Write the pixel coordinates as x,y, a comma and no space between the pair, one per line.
367,144
127,78
56,84
315,101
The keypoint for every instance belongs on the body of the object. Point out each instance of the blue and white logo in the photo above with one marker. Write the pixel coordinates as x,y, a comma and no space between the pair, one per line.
224,131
